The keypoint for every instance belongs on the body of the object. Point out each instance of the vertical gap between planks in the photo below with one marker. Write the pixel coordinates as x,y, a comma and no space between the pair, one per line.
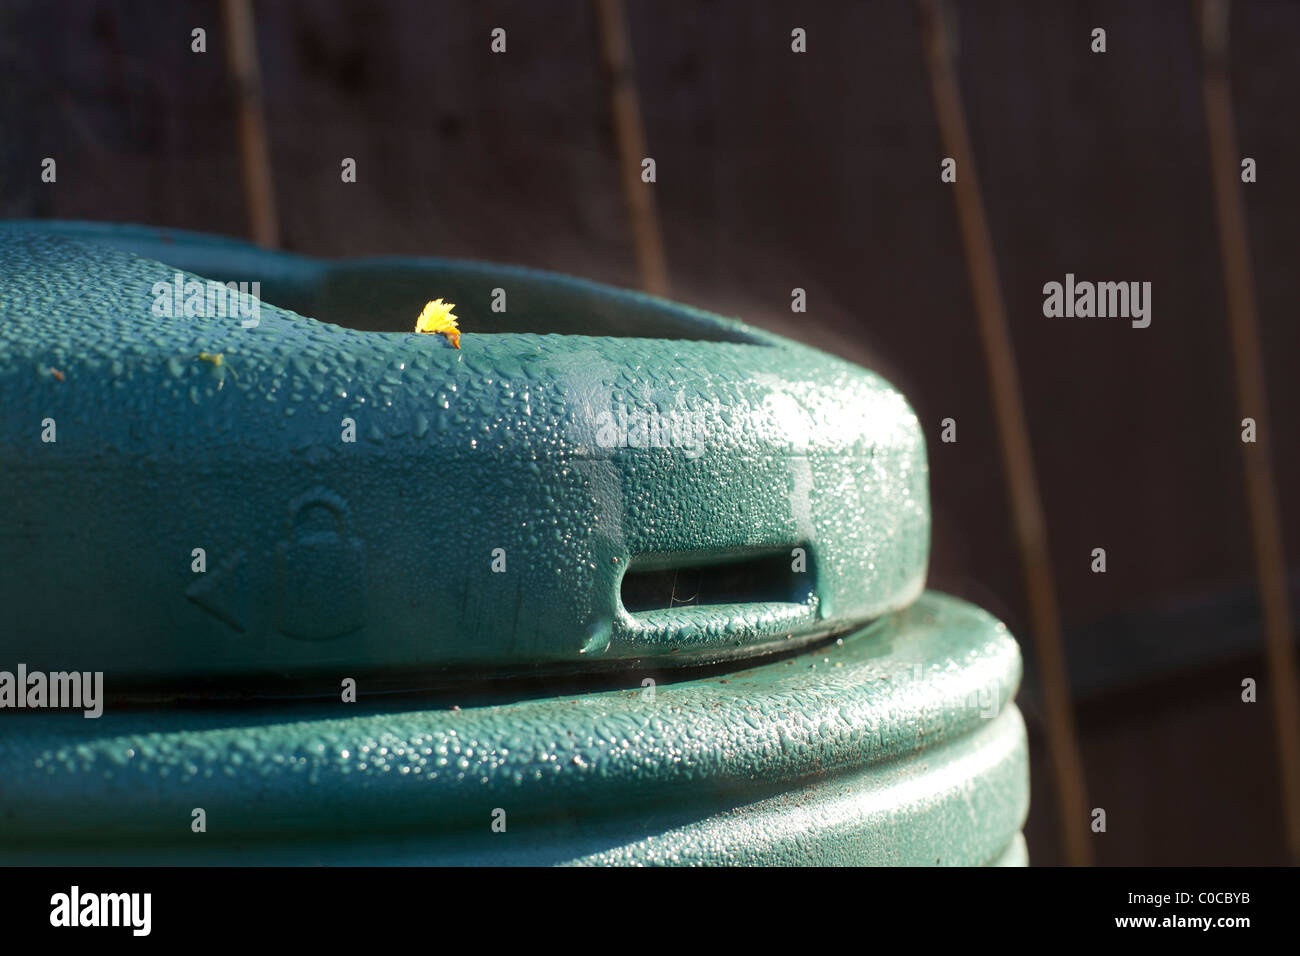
254,151
938,27
1248,367
616,55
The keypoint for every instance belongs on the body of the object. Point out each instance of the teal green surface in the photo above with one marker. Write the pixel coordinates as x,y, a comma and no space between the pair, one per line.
374,557
900,745
766,739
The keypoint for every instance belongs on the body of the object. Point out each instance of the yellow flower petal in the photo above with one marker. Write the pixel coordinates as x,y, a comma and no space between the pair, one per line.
437,317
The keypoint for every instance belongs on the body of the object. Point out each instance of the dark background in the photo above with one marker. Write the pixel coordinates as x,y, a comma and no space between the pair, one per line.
821,171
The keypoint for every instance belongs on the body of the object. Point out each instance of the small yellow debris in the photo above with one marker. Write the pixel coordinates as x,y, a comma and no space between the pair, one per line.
216,359
437,318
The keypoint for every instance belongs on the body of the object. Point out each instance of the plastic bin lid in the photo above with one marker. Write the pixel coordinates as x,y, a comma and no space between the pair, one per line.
208,489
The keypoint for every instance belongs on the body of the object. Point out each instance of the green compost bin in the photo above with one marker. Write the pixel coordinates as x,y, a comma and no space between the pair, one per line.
615,581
